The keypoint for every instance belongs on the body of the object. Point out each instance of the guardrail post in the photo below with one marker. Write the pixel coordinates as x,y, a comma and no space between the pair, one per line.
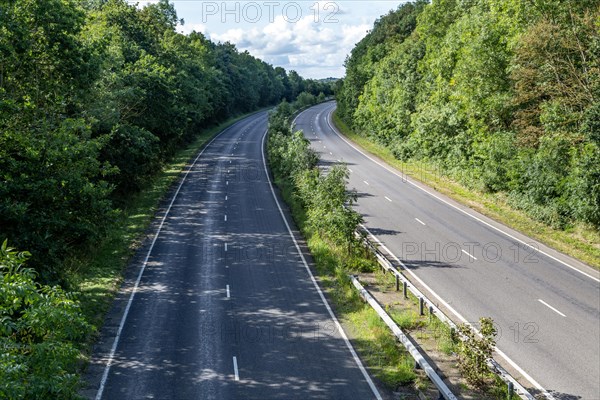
421,304
430,313
511,390
405,289
397,283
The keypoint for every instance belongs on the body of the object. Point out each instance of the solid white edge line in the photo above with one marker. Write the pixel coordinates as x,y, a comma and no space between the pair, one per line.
467,253
314,281
453,206
552,308
115,344
419,221
235,369
460,317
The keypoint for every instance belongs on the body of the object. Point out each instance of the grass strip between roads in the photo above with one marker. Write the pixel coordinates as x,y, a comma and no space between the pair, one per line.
377,347
333,257
581,242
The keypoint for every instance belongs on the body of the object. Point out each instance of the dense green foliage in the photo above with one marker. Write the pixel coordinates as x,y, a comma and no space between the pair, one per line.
502,95
94,97
41,328
322,196
474,351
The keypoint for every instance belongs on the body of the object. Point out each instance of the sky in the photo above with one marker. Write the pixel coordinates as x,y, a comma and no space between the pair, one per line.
311,37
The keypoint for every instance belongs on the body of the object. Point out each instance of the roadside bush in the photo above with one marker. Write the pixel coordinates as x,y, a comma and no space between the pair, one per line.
40,327
305,99
328,204
474,351
323,196
585,185
321,206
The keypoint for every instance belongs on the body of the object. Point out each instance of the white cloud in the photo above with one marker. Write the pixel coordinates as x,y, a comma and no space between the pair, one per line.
316,45
354,33
315,50
186,29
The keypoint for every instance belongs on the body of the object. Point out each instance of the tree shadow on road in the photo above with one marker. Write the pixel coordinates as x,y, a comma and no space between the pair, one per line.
383,231
417,264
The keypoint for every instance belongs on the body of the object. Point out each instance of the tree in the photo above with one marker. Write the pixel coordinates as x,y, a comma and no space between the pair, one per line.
329,205
554,76
296,84
387,31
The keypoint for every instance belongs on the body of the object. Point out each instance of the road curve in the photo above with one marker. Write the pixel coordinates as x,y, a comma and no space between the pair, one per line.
224,307
546,305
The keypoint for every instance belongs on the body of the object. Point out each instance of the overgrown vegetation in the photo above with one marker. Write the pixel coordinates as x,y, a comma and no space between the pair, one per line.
474,351
321,207
500,95
41,331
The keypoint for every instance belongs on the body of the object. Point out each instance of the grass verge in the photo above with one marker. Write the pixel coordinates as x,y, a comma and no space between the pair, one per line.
97,274
433,337
581,241
387,360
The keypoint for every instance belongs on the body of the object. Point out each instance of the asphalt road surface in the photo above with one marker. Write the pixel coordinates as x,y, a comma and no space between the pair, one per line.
225,306
545,305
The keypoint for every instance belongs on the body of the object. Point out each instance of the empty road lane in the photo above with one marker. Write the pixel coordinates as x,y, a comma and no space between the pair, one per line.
546,305
225,306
